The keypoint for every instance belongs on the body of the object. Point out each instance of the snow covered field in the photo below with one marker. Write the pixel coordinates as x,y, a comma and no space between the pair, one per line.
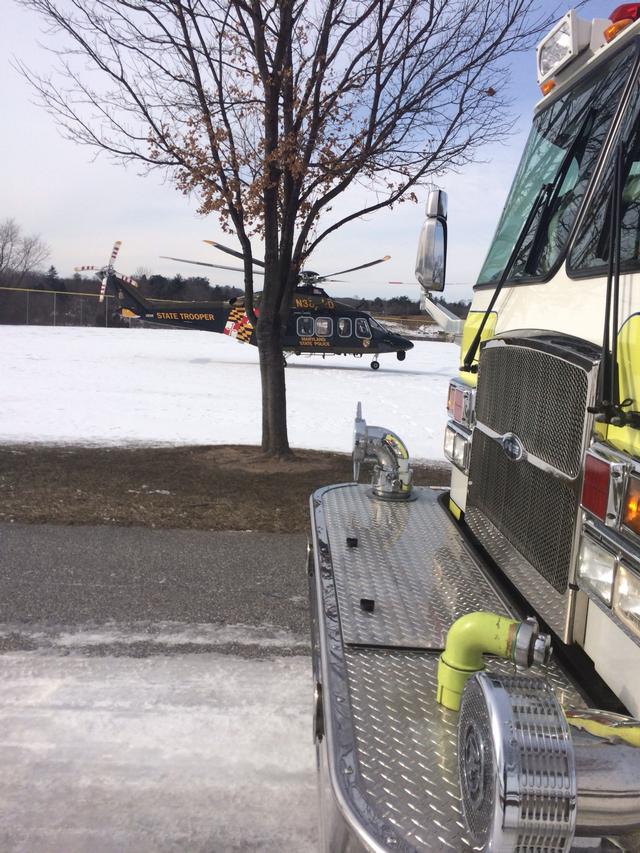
150,386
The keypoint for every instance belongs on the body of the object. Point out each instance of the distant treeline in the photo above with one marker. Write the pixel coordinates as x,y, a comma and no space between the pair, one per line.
47,299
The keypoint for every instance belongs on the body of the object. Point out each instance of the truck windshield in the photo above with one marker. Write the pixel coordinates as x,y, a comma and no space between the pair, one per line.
590,250
562,150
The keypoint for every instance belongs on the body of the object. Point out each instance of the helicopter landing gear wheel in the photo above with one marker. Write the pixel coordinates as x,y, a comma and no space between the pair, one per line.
401,355
284,361
375,364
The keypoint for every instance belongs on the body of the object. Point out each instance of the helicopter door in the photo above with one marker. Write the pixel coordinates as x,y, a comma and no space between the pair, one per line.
362,328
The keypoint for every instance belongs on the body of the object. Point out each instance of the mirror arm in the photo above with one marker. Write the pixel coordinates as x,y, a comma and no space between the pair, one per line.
448,322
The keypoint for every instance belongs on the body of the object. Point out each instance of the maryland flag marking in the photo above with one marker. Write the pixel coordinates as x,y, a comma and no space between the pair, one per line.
238,326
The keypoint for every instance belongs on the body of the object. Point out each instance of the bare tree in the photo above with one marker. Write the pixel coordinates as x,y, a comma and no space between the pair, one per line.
269,110
19,254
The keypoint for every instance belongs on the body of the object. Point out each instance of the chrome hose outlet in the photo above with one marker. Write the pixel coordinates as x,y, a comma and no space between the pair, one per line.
530,780
392,474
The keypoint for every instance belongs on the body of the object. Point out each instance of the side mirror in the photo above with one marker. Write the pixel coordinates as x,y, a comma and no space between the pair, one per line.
431,260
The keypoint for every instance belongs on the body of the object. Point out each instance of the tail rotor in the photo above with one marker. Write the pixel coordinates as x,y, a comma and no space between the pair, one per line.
106,271
109,269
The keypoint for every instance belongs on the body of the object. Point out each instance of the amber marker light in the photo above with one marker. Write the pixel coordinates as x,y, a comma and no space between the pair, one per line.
547,86
632,506
613,29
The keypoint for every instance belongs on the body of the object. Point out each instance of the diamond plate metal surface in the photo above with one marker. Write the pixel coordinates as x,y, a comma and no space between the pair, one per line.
410,561
392,749
407,743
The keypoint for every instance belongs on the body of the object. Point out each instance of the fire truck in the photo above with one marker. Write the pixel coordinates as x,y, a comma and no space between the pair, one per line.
476,650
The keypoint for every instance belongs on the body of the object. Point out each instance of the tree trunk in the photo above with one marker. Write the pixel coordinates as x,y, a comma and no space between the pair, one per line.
275,441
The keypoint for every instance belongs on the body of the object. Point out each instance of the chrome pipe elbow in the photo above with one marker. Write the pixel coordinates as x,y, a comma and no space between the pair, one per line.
392,474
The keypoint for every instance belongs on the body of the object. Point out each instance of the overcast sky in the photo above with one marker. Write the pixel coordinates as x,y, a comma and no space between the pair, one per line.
80,204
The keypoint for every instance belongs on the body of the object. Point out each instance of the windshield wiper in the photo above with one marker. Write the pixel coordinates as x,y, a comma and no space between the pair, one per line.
544,203
543,195
550,204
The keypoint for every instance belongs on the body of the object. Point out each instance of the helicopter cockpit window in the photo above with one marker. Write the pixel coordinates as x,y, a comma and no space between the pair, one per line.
324,327
344,327
362,328
305,326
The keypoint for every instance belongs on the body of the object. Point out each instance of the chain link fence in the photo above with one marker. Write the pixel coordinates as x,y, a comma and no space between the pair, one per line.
32,307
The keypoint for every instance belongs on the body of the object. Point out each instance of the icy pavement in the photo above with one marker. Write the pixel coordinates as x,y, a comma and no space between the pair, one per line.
200,752
156,692
149,386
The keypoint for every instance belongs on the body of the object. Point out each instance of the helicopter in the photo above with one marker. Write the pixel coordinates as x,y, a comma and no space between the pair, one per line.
317,324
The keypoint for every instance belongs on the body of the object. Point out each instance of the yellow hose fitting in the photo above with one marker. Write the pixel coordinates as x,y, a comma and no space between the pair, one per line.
476,634
605,724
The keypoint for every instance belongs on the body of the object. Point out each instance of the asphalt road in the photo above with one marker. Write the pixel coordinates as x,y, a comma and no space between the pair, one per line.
53,576
156,692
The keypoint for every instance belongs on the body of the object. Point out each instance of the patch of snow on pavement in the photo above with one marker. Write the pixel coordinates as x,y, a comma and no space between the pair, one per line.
166,634
185,753
153,386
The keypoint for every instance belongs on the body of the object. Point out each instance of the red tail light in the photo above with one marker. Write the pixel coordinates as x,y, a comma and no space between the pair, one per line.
455,403
595,488
461,403
625,11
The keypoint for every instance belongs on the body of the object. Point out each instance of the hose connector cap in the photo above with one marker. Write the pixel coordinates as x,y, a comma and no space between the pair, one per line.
530,645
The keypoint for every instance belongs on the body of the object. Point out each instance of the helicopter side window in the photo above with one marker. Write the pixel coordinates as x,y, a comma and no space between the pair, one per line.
344,327
324,327
305,326
362,328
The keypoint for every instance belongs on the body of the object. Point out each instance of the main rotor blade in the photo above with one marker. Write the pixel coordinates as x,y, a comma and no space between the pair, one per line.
353,269
232,252
204,264
85,268
103,289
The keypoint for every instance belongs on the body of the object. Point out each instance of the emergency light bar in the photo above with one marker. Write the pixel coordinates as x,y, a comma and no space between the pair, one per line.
570,36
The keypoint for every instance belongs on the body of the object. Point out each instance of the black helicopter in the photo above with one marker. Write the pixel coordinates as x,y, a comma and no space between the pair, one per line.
317,323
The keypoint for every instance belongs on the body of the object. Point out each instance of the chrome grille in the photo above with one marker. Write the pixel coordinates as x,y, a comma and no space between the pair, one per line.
535,510
539,397
539,391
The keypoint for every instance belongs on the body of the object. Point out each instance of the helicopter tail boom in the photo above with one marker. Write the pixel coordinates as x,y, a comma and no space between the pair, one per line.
128,295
